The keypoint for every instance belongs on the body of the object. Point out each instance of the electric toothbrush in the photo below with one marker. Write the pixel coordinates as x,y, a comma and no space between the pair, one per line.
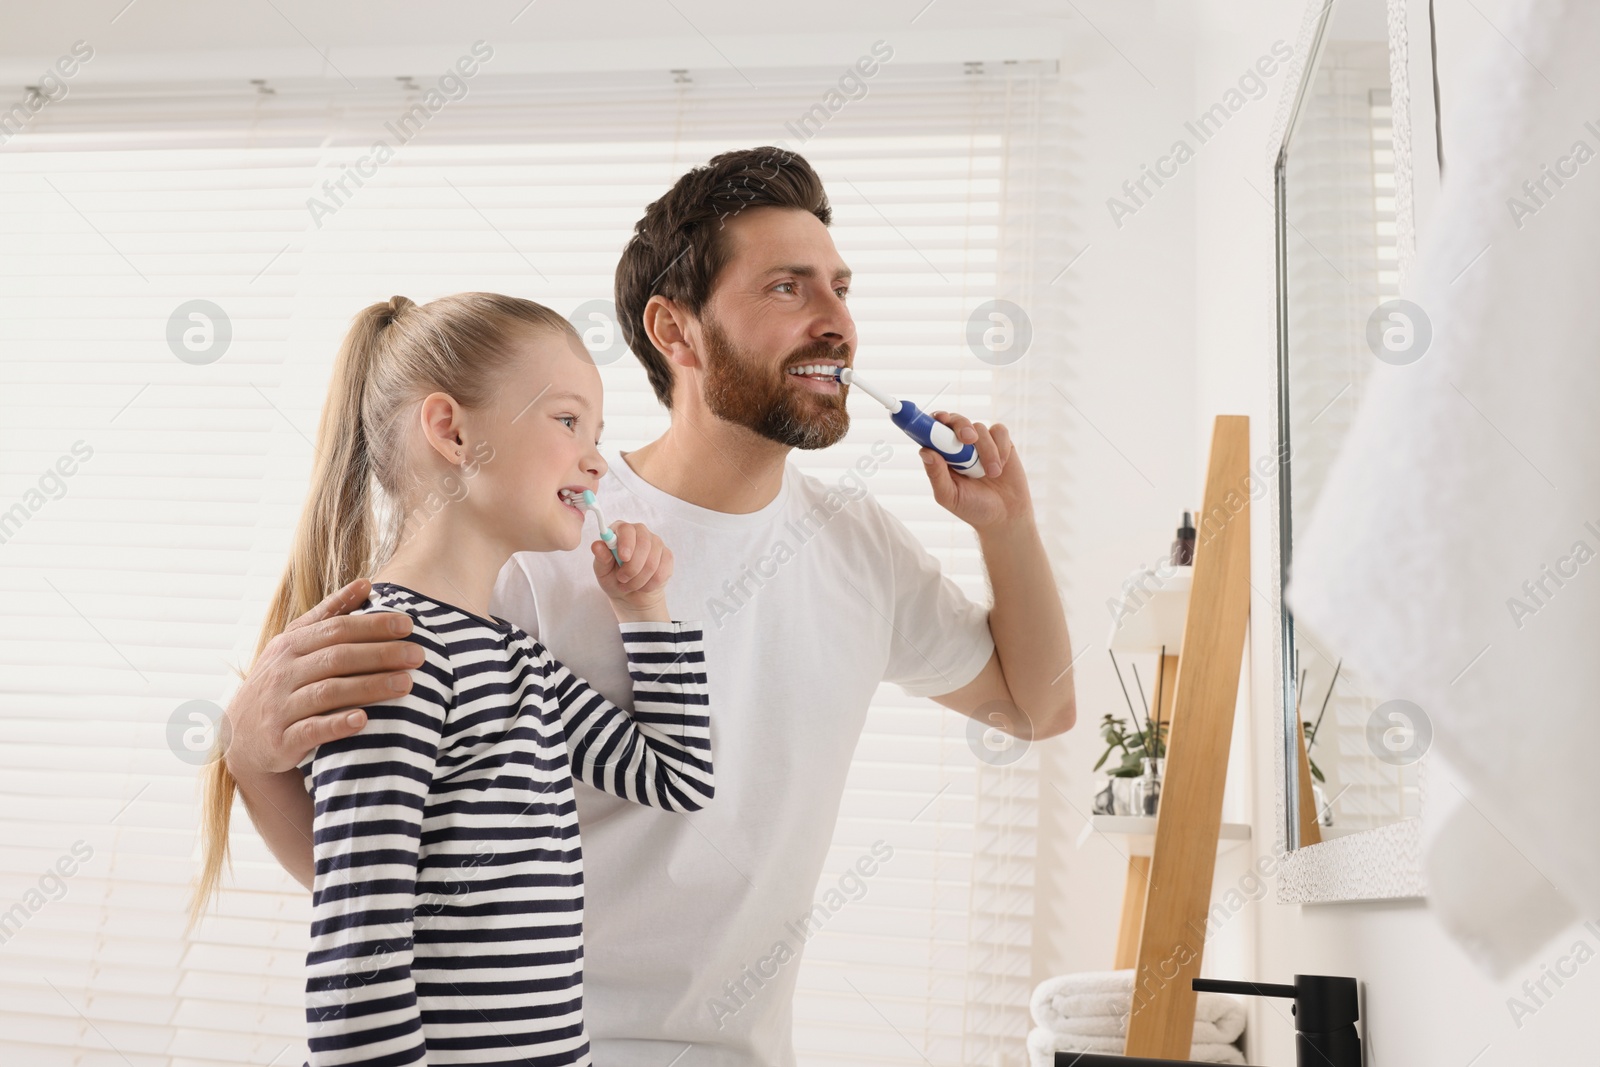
586,500
922,427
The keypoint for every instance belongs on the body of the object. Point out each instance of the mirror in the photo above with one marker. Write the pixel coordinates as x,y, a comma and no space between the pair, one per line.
1343,234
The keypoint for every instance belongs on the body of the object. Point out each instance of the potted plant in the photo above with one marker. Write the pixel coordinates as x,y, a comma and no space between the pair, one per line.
1114,797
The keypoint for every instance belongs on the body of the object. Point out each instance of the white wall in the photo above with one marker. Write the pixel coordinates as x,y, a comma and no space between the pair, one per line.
1129,373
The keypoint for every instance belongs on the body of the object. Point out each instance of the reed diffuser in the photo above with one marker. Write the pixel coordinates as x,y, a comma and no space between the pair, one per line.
1133,785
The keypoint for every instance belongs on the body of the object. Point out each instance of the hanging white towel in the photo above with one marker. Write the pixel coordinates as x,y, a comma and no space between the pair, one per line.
1096,1004
1455,552
1044,1044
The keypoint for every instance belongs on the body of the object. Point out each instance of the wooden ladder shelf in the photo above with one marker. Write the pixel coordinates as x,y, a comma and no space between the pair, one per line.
1168,893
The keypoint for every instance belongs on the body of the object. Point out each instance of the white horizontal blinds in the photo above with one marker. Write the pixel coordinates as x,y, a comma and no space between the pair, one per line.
1380,112
1028,355
1029,246
1333,182
1362,791
931,964
1343,264
528,188
122,591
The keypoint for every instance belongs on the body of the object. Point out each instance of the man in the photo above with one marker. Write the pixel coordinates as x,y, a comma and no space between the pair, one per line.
810,596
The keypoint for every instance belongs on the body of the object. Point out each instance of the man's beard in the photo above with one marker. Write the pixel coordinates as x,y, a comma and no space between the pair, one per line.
753,393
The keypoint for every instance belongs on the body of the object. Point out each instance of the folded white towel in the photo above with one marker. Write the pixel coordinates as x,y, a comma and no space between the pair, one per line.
1117,1026
1096,1004
1043,1045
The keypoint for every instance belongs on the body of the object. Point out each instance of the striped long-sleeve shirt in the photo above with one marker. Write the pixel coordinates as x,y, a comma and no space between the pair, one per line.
447,908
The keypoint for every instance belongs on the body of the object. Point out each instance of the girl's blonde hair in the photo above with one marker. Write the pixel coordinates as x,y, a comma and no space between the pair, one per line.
395,353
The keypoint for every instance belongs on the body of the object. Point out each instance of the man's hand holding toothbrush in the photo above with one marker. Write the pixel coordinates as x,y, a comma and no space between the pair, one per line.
992,502
991,492
1026,689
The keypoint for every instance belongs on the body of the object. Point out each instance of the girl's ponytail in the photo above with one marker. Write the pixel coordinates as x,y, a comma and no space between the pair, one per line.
333,545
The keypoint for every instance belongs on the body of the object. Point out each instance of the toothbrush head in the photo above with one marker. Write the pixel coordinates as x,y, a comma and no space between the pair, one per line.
583,501
588,501
847,376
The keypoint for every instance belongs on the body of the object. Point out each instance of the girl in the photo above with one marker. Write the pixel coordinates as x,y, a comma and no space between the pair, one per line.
447,907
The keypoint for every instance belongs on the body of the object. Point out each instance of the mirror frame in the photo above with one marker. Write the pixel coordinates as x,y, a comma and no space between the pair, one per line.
1385,862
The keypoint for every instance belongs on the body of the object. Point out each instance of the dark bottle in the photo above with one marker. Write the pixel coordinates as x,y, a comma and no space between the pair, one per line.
1183,547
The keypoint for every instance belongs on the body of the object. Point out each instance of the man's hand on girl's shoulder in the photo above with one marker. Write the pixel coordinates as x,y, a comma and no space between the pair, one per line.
311,683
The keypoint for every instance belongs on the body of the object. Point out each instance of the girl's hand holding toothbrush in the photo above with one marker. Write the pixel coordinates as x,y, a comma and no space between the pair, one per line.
994,500
637,585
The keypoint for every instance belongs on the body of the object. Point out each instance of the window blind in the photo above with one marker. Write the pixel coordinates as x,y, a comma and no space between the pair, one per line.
135,583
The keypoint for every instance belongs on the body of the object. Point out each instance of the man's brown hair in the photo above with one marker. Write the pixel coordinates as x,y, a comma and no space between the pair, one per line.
678,247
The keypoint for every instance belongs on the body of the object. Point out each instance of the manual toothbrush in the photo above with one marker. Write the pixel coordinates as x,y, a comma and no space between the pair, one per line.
586,500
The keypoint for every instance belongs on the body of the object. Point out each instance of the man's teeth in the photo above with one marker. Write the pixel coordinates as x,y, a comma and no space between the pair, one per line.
825,370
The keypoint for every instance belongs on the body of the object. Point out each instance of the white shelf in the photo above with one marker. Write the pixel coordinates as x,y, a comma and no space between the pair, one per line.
1152,614
1139,831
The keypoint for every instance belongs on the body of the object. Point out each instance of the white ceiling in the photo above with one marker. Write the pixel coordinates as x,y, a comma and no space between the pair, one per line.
251,38
167,25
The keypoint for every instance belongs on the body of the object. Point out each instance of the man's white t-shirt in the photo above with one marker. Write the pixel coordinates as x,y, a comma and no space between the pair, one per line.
807,605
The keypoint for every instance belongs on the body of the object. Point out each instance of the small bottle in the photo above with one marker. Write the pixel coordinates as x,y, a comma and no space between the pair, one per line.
1147,787
1183,547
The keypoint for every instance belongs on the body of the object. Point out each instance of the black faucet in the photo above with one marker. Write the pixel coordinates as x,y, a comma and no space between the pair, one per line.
1325,1009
